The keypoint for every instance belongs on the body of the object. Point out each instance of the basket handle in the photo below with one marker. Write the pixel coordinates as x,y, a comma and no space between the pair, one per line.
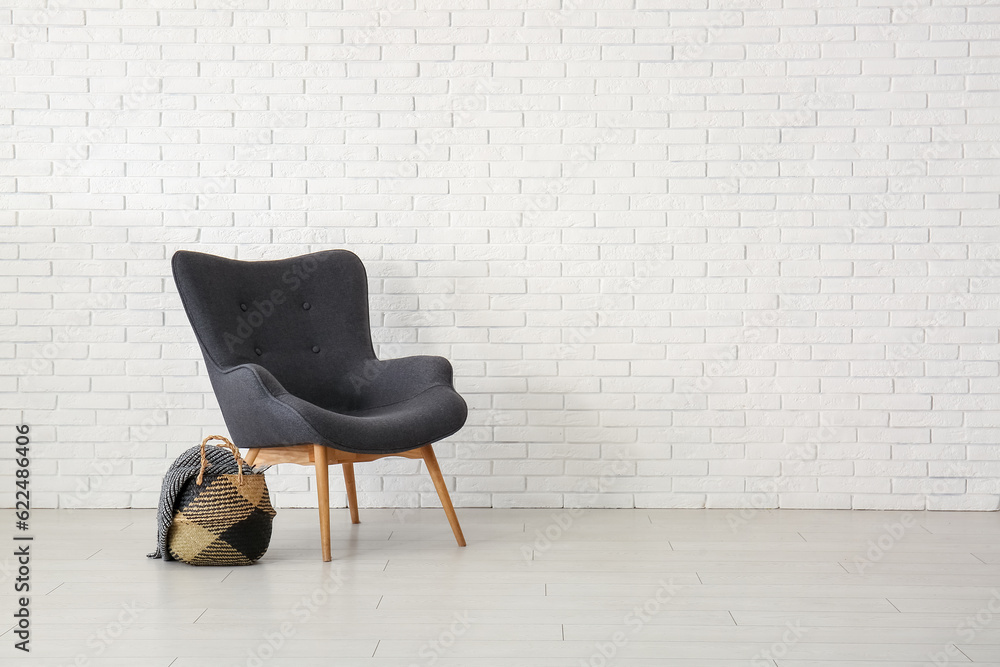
228,445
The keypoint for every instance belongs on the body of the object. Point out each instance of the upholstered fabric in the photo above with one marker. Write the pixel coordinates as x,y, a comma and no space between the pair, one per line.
289,352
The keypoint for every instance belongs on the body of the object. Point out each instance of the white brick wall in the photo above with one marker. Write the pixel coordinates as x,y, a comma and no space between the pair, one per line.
734,254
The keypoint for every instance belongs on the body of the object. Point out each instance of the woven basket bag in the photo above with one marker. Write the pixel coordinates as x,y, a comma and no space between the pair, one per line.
222,519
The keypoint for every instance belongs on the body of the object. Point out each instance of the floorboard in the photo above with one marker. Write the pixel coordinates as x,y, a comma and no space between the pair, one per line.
544,588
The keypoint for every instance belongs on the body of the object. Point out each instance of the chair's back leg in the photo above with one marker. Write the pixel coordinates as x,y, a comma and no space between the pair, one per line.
435,471
323,496
251,456
352,492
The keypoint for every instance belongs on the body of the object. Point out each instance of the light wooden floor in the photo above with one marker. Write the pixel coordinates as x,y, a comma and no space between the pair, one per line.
671,588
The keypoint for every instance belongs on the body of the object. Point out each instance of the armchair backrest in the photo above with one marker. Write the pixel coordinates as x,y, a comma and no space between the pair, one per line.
304,319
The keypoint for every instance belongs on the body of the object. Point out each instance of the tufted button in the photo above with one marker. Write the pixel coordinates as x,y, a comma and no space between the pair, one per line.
257,350
243,307
315,348
306,306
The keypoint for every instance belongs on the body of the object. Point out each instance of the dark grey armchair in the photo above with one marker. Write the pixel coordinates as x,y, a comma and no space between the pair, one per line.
289,352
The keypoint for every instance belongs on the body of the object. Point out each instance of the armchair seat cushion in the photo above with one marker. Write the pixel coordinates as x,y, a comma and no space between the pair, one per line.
405,424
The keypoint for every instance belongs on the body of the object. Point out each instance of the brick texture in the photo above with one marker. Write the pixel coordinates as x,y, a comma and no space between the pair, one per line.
731,254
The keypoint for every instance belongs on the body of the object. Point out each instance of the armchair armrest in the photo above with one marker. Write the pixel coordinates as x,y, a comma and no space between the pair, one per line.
251,401
379,383
252,377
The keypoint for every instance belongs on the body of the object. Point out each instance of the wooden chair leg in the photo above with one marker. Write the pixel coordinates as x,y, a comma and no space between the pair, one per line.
323,493
435,471
251,456
352,491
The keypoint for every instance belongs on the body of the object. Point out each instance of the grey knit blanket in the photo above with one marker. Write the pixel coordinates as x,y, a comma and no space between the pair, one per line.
186,468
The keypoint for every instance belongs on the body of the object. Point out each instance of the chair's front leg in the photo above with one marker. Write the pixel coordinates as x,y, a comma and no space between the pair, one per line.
323,497
435,471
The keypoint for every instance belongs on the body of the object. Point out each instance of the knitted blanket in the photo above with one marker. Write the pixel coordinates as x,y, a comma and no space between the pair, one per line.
186,468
